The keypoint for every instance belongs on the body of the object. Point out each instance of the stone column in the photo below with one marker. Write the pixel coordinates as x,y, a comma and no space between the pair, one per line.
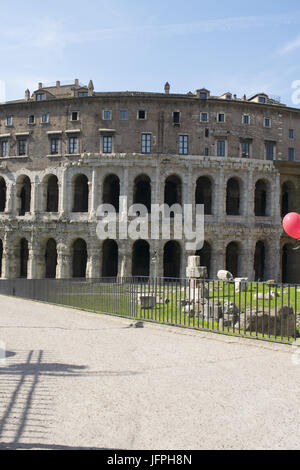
10,197
64,262
249,200
63,197
34,207
8,258
275,201
124,259
93,264
94,193
36,262
221,197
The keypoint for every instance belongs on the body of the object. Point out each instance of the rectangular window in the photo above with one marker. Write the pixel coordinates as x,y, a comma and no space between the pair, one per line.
221,117
22,147
107,114
146,143
183,145
83,93
73,145
123,114
291,154
291,133
203,95
45,118
270,151
206,151
40,97
245,147
9,121
267,122
54,146
107,144
204,117
221,147
176,117
4,148
206,132
246,119
74,116
141,114
262,99
31,119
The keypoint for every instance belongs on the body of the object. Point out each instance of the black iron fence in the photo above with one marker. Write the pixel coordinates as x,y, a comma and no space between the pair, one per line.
255,309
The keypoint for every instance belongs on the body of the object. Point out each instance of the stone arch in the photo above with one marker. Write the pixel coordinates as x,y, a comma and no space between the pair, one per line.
173,190
260,261
288,198
50,258
50,193
142,191
79,258
80,186
205,257
290,264
172,259
262,198
23,194
233,258
141,258
233,197
110,257
3,191
203,193
111,191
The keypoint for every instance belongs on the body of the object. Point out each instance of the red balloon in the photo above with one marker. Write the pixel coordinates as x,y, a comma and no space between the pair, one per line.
291,225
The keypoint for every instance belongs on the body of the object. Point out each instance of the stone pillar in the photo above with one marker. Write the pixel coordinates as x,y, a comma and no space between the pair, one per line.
64,262
36,262
124,259
94,193
249,197
63,197
34,207
221,196
10,197
8,258
93,264
275,201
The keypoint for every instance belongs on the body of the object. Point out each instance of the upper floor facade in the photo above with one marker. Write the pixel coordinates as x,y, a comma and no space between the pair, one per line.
62,122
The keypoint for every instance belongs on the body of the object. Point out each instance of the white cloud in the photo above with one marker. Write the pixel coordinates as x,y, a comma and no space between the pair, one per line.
290,46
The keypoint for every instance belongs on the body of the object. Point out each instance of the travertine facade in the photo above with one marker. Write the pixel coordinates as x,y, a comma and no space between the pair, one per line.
66,149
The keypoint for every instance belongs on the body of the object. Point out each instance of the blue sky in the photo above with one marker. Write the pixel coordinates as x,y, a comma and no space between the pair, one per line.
139,45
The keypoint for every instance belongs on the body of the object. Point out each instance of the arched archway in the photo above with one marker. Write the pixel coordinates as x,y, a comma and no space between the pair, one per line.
79,258
233,197
260,199
142,191
288,198
2,194
50,259
141,259
205,257
172,259
204,194
51,193
23,194
259,261
24,256
111,191
173,190
80,194
290,266
109,258
232,258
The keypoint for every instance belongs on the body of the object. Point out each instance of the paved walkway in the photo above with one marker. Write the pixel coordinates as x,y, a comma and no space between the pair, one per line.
79,380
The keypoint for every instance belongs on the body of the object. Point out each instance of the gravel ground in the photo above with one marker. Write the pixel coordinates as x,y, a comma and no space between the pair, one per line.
74,379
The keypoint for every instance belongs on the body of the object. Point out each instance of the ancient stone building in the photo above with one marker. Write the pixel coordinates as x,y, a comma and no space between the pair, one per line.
65,149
